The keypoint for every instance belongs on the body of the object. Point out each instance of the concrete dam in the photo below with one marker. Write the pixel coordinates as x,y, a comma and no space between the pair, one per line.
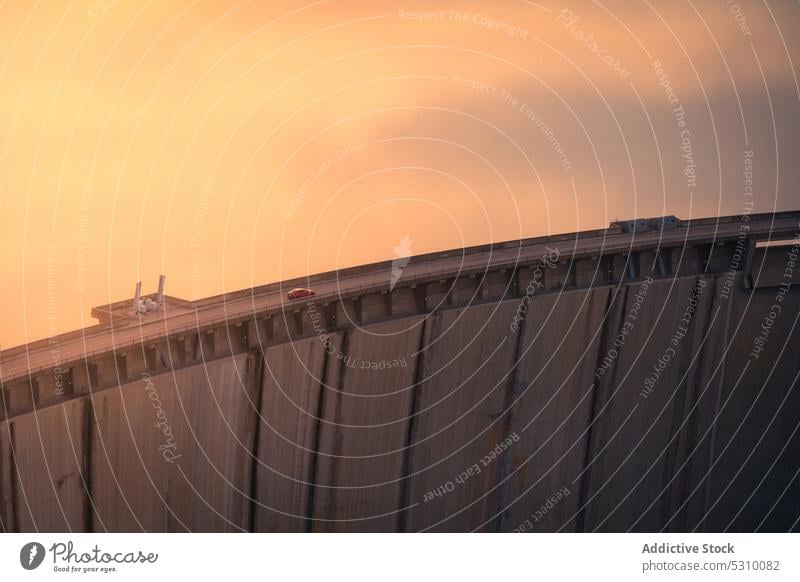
641,377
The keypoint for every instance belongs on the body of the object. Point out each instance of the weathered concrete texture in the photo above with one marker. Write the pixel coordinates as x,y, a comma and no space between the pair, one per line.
293,374
465,378
665,404
48,465
553,393
362,445
642,432
754,484
167,459
218,408
128,472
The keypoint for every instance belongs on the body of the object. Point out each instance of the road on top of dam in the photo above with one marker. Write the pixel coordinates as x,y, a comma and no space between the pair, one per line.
23,360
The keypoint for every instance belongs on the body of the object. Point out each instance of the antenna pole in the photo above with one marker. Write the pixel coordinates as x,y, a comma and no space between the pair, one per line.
137,297
160,299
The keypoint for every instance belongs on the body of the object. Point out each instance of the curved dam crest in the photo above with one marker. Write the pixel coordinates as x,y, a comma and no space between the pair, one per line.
638,391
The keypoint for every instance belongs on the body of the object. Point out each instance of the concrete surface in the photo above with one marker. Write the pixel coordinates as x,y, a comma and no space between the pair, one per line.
452,402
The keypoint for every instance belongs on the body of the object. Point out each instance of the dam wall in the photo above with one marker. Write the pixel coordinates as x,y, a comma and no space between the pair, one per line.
647,393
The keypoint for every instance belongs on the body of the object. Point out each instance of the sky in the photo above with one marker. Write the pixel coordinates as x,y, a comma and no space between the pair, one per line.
233,144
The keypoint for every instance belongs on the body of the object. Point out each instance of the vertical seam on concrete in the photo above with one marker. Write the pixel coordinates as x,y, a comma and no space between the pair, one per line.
717,403
258,375
511,391
337,435
405,484
88,508
680,396
580,519
312,485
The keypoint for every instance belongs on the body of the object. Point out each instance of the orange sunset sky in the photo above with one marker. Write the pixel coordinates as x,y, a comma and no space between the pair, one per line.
231,144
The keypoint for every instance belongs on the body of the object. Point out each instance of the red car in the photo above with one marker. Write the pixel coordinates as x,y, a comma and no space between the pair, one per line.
300,293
